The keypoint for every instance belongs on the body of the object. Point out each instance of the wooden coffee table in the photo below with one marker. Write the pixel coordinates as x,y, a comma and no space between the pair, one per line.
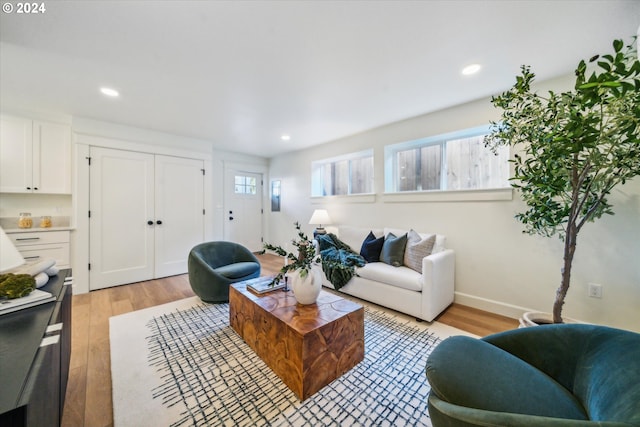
307,346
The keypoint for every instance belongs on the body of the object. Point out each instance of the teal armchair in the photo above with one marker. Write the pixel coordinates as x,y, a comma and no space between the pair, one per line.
213,266
554,375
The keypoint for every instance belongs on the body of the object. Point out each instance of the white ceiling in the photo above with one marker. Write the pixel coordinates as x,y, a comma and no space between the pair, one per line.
242,73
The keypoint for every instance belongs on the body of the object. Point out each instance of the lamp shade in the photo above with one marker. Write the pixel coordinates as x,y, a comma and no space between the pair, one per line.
320,216
9,255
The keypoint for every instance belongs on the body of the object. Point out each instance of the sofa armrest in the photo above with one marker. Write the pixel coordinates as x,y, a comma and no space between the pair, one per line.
438,275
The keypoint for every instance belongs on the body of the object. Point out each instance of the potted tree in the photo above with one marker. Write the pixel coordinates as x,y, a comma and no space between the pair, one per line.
574,146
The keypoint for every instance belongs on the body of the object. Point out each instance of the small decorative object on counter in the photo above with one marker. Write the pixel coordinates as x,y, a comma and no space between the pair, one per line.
45,221
25,220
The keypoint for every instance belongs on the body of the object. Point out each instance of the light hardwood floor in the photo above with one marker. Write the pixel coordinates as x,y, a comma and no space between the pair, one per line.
88,401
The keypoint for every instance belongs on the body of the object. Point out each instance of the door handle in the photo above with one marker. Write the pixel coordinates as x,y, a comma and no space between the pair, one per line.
149,222
230,218
159,222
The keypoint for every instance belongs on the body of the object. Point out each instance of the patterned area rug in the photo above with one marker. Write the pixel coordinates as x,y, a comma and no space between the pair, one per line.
181,364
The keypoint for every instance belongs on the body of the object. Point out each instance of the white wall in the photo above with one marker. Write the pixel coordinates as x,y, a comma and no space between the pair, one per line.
497,267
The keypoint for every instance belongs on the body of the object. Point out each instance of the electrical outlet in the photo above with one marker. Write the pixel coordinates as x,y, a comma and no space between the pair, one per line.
595,290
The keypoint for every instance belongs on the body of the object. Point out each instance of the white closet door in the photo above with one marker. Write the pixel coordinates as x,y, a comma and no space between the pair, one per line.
121,201
179,212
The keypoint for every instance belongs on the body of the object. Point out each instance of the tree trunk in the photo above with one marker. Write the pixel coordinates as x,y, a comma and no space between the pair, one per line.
569,251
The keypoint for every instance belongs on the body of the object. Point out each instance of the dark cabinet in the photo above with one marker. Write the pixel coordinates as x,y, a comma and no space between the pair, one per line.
35,353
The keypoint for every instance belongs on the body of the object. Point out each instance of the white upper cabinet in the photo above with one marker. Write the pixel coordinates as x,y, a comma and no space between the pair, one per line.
35,156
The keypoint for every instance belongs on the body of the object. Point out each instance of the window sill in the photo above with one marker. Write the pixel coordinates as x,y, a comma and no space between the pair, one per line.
498,194
351,198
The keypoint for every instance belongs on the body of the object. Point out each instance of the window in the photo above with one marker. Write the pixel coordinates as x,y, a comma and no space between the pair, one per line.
245,184
456,161
343,175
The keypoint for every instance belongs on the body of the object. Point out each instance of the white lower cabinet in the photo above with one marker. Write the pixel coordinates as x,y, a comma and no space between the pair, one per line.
35,246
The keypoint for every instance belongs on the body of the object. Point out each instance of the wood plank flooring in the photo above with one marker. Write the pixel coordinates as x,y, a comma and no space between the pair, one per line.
88,401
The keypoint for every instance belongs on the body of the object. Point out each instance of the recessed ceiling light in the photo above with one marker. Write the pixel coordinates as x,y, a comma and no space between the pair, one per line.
109,92
285,137
471,69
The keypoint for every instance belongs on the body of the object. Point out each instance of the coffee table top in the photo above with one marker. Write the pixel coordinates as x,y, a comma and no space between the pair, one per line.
301,318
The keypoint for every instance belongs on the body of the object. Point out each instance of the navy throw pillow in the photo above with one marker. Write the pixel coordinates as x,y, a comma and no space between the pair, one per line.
371,247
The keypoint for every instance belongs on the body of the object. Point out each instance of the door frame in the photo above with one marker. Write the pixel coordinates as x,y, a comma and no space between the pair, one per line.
80,200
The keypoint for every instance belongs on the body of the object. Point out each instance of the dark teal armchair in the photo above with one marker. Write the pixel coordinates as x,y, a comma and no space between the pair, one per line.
554,375
213,266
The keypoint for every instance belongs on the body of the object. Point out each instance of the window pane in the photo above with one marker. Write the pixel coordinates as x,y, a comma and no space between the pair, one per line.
408,162
327,176
430,167
470,165
341,177
362,175
239,180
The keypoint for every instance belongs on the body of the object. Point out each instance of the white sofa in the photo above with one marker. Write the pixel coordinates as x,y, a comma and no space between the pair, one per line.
423,296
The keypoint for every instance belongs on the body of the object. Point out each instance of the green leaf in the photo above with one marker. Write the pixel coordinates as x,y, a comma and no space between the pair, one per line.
617,45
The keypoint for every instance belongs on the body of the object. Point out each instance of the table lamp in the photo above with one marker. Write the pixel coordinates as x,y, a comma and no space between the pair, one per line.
319,217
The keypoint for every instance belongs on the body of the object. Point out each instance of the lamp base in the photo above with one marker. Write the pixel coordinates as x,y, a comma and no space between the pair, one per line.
319,231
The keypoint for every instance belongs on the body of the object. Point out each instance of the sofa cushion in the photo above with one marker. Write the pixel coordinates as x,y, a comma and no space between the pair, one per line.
495,380
393,249
371,247
417,248
401,277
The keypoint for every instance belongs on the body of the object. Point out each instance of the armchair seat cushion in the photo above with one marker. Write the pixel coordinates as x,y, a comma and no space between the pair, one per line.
476,374
238,269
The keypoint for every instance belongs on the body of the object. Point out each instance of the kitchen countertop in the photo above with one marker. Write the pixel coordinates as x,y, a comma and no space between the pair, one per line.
36,229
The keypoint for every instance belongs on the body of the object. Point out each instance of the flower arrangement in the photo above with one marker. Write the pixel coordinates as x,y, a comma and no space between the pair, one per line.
301,261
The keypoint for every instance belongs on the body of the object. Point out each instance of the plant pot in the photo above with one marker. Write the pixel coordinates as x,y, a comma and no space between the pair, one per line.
536,318
306,289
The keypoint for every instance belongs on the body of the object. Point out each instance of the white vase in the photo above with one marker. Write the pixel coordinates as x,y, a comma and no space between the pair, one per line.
306,289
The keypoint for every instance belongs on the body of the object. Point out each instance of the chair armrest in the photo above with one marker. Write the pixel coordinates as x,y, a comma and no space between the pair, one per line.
438,278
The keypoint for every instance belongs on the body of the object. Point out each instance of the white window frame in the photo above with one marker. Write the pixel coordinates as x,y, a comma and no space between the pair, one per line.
390,172
317,167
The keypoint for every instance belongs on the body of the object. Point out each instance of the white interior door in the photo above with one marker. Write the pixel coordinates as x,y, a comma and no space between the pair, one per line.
179,212
243,209
121,202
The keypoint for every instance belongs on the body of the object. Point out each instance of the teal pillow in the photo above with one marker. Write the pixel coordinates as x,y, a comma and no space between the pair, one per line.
393,249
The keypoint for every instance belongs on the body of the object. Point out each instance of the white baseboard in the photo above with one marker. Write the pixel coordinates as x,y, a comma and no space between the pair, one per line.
497,307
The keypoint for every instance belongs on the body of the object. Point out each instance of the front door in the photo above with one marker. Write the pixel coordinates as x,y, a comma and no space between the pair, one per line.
243,208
